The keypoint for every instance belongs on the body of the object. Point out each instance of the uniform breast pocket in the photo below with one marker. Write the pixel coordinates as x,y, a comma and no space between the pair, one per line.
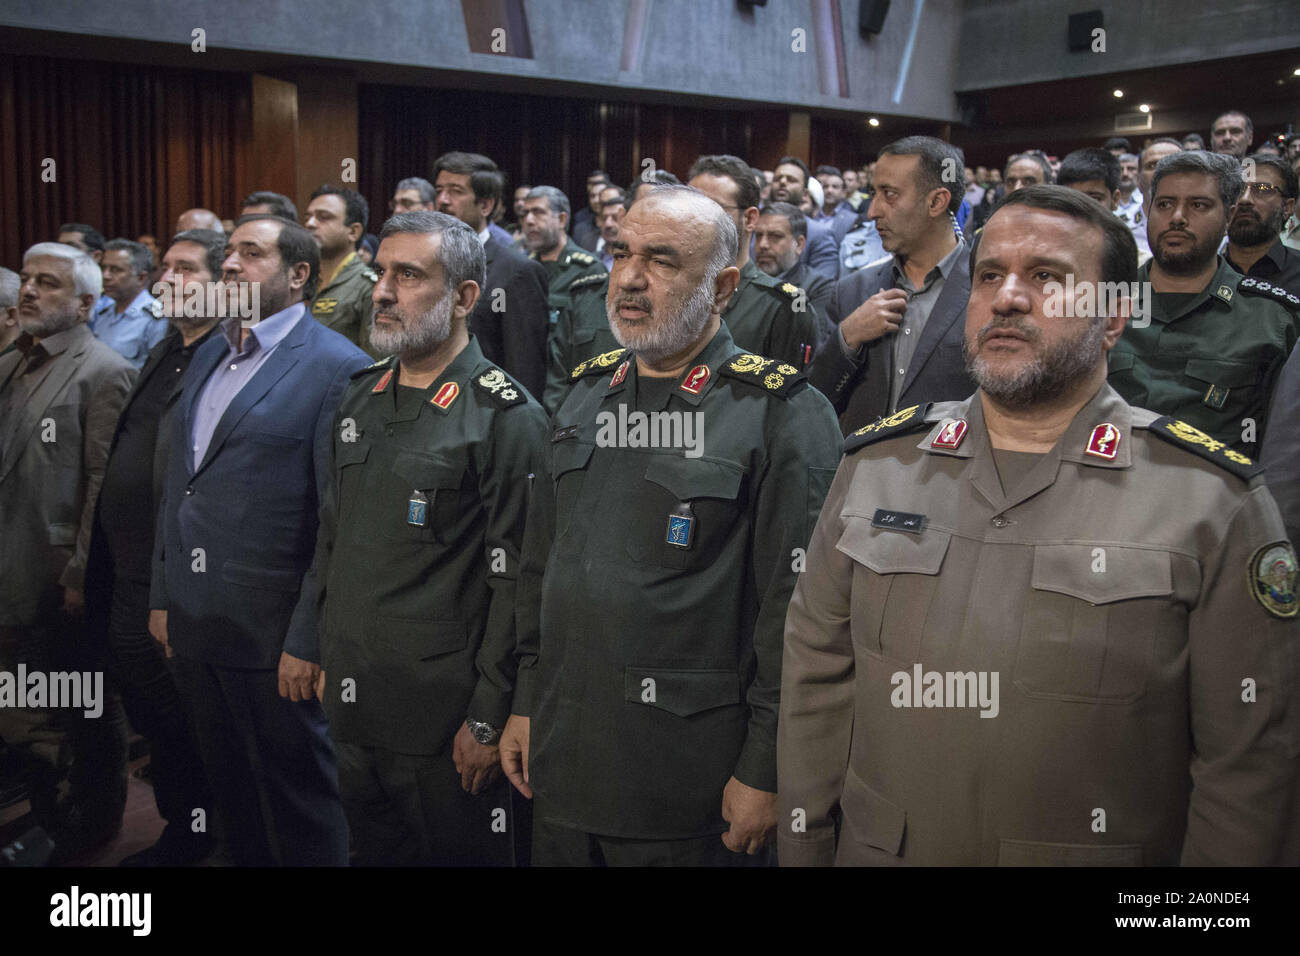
685,511
428,500
895,579
1122,376
1091,620
569,461
1227,387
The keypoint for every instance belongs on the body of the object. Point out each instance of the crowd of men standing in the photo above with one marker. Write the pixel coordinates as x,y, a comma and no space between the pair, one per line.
359,530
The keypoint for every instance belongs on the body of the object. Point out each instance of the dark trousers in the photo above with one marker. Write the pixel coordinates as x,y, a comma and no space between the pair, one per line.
51,742
154,706
555,845
270,766
410,810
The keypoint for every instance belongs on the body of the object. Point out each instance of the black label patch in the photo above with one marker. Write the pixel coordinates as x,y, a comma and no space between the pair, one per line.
568,431
898,521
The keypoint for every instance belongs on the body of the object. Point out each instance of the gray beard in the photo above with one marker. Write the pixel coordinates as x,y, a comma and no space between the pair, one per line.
654,342
416,337
46,325
1049,375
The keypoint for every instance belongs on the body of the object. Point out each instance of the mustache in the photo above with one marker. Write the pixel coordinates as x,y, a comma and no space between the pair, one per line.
635,302
1032,335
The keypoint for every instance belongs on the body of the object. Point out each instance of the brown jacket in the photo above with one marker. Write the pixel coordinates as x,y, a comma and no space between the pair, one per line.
1147,708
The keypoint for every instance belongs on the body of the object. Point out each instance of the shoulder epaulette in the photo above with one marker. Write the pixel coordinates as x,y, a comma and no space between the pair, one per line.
370,274
765,373
792,290
1190,438
1253,286
497,386
587,282
381,364
597,363
581,258
900,423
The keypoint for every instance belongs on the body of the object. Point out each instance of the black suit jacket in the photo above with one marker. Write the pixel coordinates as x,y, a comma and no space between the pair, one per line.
514,337
859,390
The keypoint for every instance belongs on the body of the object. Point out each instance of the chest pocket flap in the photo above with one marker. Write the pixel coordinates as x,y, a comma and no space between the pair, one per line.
1100,574
427,472
893,552
351,453
1219,372
682,692
569,456
687,478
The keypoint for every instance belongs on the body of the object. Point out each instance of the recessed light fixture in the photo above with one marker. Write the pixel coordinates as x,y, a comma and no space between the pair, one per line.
1296,72
1119,94
872,121
1144,108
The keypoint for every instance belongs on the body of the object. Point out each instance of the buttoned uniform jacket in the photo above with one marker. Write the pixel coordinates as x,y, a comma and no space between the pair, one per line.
574,263
818,290
764,317
1147,709
345,302
651,671
511,318
51,469
860,388
1281,452
418,610
251,504
1213,364
581,331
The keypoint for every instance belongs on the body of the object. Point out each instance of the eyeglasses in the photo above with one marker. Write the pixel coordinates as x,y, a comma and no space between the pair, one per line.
1260,190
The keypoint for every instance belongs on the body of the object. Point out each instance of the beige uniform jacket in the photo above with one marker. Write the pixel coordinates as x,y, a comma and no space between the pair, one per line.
1146,708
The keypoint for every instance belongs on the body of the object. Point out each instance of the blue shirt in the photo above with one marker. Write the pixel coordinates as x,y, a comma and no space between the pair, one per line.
236,369
131,333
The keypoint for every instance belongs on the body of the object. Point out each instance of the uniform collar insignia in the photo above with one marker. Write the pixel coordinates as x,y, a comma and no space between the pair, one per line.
950,435
1104,441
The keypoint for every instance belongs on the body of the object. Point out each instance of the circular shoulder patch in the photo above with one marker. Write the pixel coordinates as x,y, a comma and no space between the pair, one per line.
1273,576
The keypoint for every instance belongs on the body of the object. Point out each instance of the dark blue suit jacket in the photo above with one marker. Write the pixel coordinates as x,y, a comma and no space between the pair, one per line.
251,505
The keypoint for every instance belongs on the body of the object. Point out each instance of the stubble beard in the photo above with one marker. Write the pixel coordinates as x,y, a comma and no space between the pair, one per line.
1052,372
655,341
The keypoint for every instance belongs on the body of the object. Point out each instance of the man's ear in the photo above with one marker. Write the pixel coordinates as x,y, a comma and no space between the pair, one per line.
85,302
356,231
1114,199
1115,323
467,294
749,220
724,286
564,222
299,273
800,242
939,199
487,206
1288,207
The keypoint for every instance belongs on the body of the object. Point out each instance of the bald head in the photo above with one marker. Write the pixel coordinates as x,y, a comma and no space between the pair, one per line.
685,206
199,219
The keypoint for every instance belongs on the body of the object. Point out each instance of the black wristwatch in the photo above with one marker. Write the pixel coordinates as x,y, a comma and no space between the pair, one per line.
483,732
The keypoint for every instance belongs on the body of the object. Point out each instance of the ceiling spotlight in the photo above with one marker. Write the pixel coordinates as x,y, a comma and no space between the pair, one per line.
1119,94
1296,71
1144,108
873,121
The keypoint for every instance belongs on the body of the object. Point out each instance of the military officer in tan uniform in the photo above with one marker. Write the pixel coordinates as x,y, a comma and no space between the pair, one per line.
337,218
1042,626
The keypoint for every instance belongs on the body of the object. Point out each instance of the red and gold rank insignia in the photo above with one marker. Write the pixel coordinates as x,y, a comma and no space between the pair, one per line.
1104,442
620,374
950,435
695,379
445,395
1273,575
382,384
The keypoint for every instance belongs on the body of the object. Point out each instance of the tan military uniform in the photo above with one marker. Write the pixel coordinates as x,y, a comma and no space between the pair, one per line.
343,302
1136,603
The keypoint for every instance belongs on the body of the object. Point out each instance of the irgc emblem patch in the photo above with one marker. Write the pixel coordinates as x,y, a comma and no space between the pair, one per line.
1273,578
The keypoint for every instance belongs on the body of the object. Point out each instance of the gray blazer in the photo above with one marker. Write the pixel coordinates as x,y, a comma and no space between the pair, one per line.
52,456
859,390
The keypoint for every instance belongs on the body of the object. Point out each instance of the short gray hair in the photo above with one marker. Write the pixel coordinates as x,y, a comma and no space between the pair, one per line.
556,199
10,285
141,257
1225,170
86,277
726,239
459,252
421,186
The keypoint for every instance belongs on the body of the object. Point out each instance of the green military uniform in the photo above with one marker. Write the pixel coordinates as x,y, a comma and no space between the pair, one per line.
573,264
580,332
1123,610
654,590
1210,358
343,302
418,555
764,316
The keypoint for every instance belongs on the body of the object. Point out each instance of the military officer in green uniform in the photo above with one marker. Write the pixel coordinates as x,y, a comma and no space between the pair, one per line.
766,315
581,331
546,215
1213,344
417,558
666,530
336,218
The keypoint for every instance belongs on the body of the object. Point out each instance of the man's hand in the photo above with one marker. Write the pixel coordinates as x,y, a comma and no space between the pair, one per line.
514,754
752,815
320,686
477,764
74,603
158,628
879,315
297,678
